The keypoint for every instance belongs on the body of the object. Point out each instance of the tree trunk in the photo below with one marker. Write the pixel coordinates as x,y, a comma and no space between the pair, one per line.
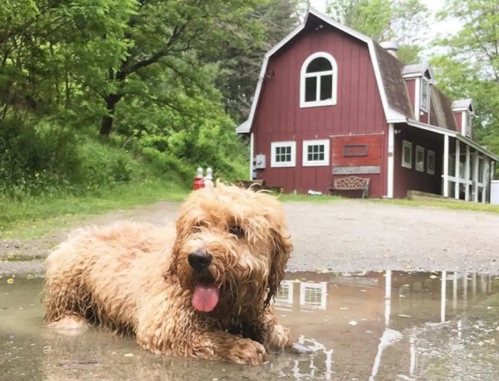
108,120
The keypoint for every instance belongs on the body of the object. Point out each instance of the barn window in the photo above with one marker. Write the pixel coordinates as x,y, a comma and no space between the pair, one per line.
406,154
315,153
319,74
285,294
430,162
419,159
313,295
425,94
283,154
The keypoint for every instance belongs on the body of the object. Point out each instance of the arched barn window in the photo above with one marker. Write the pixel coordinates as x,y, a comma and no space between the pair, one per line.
319,75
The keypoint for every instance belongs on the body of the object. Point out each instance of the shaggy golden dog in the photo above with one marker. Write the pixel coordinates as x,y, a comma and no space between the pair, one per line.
201,288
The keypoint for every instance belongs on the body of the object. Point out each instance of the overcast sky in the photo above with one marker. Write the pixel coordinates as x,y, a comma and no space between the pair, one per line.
447,27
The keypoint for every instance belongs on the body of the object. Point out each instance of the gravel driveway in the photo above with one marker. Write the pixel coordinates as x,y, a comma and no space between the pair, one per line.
347,235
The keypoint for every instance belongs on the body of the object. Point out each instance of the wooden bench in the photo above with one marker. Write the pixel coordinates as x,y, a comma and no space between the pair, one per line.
254,184
350,183
258,185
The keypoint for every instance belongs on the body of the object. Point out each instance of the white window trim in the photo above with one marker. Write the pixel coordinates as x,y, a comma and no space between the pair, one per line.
274,145
279,300
323,163
304,74
428,154
424,82
322,287
419,166
463,123
405,164
417,99
466,123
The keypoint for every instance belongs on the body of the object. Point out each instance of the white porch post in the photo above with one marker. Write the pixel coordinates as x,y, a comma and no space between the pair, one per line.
391,158
446,166
475,176
492,172
467,173
485,179
252,155
457,172
443,296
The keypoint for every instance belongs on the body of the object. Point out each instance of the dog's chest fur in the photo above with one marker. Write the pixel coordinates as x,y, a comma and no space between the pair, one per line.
244,328
237,324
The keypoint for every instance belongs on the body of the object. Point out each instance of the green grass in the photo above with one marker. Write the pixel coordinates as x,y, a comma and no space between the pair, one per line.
34,217
452,205
307,198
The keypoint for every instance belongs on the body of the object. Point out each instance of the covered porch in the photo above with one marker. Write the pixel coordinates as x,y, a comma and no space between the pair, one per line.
467,172
458,168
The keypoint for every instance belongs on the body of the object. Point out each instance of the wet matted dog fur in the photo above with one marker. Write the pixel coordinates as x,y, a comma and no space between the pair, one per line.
201,288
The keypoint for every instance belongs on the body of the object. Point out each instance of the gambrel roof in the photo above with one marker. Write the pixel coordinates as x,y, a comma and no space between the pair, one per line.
390,88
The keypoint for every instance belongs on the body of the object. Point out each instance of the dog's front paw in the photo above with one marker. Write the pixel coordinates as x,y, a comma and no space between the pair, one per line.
246,351
277,338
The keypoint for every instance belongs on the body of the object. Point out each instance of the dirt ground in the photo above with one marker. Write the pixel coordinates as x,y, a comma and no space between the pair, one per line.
344,235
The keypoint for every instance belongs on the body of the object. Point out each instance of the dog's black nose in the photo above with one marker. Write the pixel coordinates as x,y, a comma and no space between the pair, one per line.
199,260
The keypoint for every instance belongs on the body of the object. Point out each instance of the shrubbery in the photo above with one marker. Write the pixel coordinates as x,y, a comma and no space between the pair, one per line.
40,159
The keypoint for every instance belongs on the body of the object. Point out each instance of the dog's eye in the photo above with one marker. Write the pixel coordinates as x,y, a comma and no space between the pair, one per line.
237,231
197,227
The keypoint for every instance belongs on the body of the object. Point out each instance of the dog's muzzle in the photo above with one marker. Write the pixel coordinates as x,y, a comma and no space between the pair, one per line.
199,260
206,295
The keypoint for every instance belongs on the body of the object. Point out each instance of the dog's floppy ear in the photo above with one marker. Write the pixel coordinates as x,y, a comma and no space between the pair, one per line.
172,265
280,256
181,227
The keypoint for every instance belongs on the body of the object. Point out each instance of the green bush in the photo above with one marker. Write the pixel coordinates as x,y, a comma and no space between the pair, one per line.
35,158
44,159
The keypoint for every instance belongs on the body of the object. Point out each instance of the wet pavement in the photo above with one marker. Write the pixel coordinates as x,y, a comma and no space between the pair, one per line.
370,326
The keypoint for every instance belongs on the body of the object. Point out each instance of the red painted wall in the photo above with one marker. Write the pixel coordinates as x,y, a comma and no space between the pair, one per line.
409,179
279,116
459,120
411,88
423,117
376,153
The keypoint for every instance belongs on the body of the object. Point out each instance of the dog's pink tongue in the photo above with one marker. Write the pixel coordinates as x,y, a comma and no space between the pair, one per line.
205,299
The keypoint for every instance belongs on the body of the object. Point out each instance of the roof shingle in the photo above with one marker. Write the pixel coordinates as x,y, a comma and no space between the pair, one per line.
441,113
393,82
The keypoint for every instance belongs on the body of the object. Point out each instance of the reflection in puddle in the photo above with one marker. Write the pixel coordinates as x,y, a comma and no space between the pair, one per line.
365,326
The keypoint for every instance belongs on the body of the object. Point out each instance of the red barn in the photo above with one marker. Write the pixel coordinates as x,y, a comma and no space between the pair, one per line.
331,103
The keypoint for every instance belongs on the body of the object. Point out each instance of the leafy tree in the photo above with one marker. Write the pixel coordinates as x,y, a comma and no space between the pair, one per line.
94,53
468,63
240,65
410,24
71,70
163,33
383,20
370,17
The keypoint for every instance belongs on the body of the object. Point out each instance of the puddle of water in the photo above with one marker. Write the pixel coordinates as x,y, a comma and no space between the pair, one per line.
367,326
